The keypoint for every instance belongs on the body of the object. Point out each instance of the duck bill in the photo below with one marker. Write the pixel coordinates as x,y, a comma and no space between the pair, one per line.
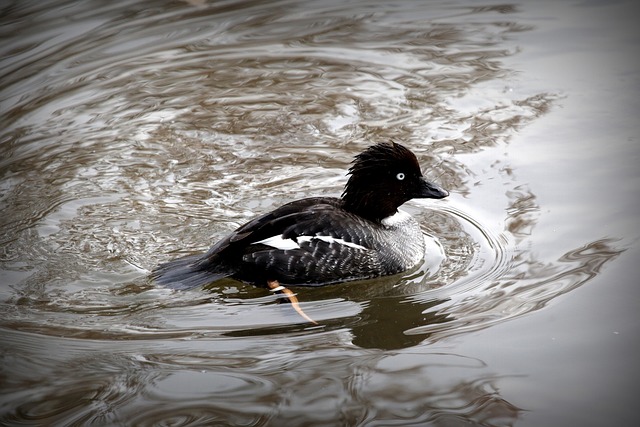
431,191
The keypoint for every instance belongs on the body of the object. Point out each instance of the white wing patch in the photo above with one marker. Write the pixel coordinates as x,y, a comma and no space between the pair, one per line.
330,239
283,244
279,243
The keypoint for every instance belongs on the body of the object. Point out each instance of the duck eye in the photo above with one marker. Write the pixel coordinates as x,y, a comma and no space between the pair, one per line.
400,176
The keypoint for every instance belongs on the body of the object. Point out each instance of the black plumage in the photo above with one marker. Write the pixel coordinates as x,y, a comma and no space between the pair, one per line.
323,240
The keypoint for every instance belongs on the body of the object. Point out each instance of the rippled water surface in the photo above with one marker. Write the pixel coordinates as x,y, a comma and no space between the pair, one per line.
135,132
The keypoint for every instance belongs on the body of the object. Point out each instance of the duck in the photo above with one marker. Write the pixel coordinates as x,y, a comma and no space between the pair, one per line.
319,241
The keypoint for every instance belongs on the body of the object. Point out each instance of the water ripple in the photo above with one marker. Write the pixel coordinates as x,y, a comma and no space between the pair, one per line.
133,133
528,285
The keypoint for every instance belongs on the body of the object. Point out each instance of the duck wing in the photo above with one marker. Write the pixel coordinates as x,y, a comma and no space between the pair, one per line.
278,245
294,221
307,242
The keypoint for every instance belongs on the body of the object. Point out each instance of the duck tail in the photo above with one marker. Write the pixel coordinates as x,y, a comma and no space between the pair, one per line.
185,273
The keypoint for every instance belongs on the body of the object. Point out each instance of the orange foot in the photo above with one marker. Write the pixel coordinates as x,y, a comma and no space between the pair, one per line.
275,286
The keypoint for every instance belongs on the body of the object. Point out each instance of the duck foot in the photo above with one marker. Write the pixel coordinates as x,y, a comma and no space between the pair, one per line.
275,286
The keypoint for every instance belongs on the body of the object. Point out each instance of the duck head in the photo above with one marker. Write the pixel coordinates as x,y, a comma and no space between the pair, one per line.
382,178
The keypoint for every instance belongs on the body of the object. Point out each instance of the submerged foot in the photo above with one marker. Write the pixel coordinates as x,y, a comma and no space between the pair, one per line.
275,286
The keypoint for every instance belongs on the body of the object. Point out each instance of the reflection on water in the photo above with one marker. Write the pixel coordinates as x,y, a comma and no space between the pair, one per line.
135,133
239,382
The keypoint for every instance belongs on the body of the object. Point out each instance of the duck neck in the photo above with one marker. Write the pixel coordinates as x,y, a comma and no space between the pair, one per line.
363,204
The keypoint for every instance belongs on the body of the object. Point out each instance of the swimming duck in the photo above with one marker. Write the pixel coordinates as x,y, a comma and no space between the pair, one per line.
323,240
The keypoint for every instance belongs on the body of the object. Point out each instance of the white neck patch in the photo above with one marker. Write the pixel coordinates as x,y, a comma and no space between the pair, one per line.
396,219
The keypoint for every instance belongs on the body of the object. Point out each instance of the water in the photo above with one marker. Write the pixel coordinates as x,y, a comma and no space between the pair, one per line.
136,133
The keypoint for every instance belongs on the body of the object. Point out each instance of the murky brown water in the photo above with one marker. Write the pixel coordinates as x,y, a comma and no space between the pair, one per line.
132,133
